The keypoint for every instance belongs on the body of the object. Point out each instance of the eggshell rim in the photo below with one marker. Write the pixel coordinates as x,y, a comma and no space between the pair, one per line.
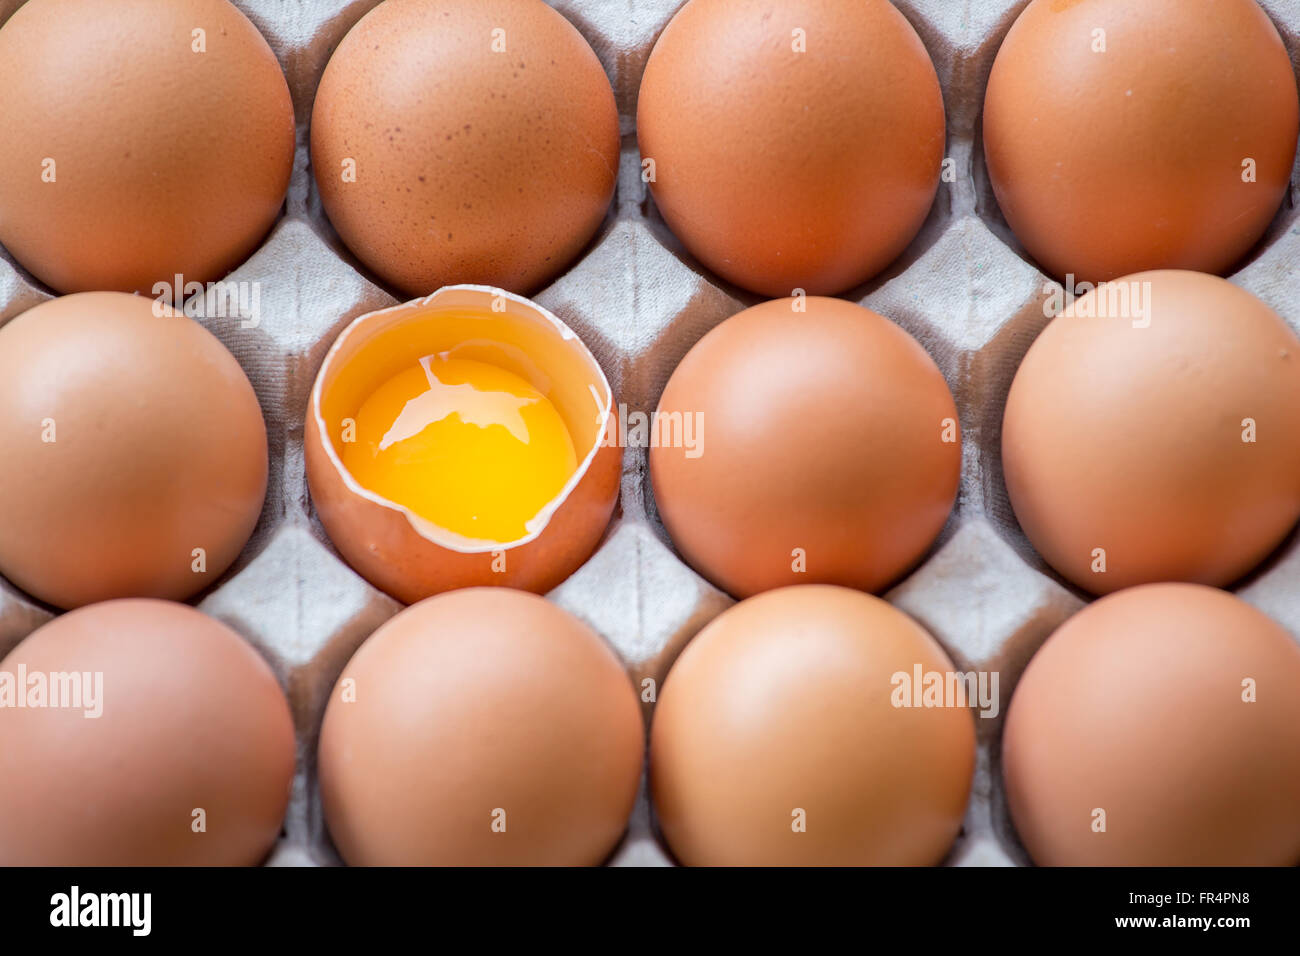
425,528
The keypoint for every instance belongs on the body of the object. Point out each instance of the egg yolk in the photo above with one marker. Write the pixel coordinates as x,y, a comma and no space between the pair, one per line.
468,446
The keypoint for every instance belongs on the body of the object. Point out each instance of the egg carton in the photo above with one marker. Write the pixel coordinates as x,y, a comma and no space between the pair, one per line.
964,288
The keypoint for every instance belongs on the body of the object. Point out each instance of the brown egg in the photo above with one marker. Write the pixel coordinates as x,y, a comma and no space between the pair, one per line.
141,140
481,727
465,141
135,454
1157,442
795,145
778,741
1159,726
824,449
171,742
1127,136
405,553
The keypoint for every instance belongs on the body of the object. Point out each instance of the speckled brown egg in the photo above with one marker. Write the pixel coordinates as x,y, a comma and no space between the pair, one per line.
161,739
1152,433
485,726
779,738
1159,726
141,140
465,141
791,144
1125,136
805,441
135,456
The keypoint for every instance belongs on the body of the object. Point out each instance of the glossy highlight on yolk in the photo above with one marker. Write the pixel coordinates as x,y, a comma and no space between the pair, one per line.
468,446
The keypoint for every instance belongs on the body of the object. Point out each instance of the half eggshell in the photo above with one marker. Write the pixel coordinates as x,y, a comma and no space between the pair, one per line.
406,555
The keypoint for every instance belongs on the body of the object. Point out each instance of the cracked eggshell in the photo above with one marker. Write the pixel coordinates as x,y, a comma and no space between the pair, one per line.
165,159
190,717
398,551
1128,159
796,145
130,439
484,137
